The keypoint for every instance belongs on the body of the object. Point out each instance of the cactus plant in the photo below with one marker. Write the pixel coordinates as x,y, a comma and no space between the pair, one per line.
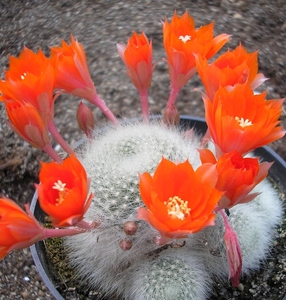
149,209
182,268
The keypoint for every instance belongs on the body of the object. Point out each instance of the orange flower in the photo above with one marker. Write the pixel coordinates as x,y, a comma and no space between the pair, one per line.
72,70
137,56
17,229
73,75
30,79
229,69
179,200
182,41
63,191
237,176
240,120
27,123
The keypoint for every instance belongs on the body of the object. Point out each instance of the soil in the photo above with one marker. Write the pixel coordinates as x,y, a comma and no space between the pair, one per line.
99,25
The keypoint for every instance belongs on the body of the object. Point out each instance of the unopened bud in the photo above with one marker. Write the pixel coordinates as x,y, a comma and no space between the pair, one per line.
125,245
171,115
130,227
85,119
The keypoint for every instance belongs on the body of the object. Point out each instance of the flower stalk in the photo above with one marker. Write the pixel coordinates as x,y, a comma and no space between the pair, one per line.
96,100
144,105
57,136
52,153
58,233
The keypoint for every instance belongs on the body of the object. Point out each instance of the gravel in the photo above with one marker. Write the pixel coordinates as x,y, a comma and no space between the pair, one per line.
99,25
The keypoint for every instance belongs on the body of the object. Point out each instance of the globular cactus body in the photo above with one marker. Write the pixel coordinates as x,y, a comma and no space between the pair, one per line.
182,269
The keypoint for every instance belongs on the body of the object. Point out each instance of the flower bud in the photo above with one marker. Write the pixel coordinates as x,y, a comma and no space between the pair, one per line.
125,245
171,115
85,119
130,227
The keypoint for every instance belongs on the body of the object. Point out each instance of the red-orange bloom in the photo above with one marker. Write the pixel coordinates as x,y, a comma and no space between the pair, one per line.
229,69
240,120
26,121
179,200
237,176
182,41
30,79
17,229
137,56
63,191
72,70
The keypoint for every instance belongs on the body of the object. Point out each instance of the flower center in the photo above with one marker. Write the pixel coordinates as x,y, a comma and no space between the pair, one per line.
185,38
177,208
243,123
60,186
23,76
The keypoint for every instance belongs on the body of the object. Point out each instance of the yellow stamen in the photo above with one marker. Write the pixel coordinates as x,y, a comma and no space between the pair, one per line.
177,208
243,123
185,38
60,186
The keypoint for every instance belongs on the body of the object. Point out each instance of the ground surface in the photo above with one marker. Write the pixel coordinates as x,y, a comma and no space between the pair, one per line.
99,25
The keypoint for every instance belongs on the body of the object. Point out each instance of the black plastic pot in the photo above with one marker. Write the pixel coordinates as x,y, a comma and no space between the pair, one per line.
277,173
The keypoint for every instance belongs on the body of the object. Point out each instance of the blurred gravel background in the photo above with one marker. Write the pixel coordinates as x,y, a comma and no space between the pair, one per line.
99,25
